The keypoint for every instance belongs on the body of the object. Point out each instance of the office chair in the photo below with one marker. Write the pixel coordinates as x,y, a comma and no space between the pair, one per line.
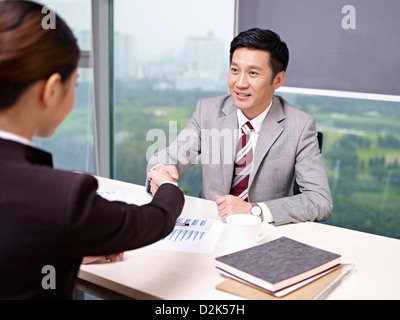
320,137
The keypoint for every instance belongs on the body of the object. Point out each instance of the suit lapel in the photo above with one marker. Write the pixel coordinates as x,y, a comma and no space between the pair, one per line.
270,131
228,121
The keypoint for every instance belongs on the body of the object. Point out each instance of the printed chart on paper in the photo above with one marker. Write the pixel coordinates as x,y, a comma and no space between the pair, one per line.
200,236
111,195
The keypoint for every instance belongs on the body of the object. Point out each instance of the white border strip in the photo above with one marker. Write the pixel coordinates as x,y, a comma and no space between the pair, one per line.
340,94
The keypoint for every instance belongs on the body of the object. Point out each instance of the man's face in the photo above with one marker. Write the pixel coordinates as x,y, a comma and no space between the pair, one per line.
250,81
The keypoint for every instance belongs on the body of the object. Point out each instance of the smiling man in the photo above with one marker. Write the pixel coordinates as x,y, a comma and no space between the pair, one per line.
271,142
252,81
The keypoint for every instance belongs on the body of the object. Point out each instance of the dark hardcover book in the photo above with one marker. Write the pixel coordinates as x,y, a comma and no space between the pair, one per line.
277,264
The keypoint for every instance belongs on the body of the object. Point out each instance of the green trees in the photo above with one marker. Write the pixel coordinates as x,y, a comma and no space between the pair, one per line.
361,150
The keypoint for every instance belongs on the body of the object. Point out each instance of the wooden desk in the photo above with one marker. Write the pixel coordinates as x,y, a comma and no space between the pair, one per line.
149,273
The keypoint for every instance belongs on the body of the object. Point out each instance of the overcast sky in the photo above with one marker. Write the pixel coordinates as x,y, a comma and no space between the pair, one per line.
157,24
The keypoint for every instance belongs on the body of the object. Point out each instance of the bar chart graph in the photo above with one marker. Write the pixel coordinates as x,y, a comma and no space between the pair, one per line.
189,235
192,235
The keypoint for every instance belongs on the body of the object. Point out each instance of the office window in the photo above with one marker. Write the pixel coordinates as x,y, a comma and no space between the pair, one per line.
72,144
361,150
337,52
167,56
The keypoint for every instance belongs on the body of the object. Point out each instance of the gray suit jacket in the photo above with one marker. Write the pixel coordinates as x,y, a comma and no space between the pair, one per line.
287,147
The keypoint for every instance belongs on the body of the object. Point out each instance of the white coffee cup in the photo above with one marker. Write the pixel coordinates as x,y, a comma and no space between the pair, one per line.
245,230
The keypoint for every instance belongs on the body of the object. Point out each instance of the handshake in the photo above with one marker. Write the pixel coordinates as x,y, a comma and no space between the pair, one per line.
161,174
226,204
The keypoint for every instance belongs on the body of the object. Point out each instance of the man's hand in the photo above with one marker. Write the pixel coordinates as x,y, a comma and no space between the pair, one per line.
229,204
161,174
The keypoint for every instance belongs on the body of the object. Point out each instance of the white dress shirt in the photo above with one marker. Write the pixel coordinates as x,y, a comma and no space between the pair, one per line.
13,137
257,124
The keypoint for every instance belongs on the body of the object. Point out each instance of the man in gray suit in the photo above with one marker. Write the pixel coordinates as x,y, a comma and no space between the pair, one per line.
283,141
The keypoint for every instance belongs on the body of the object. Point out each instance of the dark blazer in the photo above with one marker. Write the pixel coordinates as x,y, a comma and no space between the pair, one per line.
53,217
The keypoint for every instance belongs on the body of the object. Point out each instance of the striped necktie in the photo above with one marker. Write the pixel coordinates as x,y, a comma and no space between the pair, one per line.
243,164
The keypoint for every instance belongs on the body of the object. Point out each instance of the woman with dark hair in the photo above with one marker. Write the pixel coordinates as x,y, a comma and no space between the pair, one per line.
51,217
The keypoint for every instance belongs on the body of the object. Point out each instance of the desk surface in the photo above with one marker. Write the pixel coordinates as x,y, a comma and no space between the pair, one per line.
149,273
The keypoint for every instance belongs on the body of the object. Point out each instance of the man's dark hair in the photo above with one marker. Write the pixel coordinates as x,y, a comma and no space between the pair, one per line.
264,40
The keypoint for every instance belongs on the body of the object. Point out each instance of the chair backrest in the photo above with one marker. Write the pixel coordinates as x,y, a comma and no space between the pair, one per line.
320,137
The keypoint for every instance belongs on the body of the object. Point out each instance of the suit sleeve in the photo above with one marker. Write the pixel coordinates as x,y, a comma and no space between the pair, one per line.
96,226
182,152
315,201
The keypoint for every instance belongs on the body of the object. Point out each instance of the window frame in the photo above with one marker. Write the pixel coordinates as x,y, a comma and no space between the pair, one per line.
102,57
